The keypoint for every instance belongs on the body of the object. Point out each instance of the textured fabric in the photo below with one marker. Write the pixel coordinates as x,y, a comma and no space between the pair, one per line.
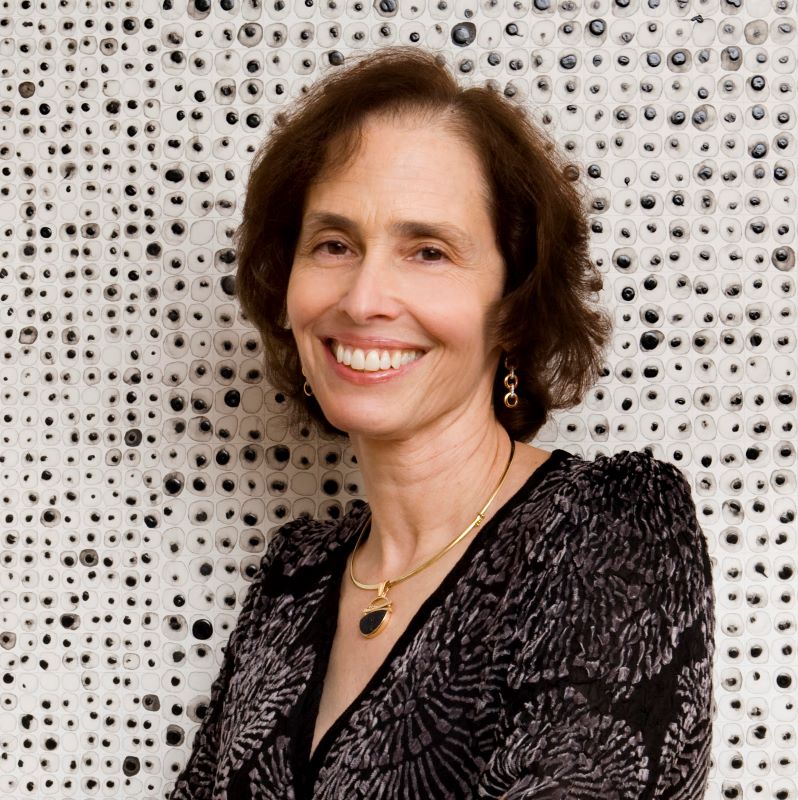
567,654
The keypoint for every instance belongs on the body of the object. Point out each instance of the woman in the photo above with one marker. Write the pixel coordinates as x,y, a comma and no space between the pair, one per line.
498,620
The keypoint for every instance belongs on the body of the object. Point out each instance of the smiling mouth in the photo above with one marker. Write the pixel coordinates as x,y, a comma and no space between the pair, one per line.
362,360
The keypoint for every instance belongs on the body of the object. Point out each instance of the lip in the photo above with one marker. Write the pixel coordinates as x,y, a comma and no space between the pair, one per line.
362,378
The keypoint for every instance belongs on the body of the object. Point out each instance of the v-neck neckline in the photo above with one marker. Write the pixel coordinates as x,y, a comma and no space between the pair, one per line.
307,767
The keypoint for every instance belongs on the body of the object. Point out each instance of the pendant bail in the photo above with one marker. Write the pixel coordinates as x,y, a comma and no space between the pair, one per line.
374,618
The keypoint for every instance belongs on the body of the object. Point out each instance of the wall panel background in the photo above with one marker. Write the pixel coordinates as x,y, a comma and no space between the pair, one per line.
144,461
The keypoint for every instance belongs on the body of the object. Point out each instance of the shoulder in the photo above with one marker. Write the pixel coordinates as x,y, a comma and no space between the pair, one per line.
306,542
637,510
629,571
303,541
628,477
291,539
300,541
639,504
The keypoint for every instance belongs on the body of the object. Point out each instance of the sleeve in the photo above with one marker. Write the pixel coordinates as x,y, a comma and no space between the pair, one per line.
613,697
196,780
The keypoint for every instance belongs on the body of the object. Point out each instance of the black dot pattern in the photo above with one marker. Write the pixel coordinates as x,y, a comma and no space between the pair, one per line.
145,463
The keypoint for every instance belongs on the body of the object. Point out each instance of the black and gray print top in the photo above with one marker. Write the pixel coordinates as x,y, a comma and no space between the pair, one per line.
567,654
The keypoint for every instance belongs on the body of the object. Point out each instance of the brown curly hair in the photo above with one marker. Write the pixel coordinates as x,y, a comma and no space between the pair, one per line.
545,319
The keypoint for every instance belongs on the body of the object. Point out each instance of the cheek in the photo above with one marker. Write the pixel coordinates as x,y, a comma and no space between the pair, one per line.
454,312
305,297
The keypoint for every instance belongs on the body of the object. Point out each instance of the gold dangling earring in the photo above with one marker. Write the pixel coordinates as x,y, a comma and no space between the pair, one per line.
306,387
510,381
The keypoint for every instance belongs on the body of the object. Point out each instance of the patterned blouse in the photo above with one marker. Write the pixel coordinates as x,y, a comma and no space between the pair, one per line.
567,654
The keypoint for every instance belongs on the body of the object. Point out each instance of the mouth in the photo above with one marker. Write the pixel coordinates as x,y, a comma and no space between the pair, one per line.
398,360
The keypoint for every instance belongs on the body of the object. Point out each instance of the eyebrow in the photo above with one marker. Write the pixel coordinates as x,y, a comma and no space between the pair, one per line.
406,227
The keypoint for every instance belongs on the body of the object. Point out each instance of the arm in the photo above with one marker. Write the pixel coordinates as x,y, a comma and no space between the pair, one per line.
614,698
196,780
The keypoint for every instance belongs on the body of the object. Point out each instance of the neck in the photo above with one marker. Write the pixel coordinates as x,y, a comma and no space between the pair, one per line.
425,490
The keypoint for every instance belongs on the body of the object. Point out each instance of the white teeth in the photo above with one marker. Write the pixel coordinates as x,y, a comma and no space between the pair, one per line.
373,360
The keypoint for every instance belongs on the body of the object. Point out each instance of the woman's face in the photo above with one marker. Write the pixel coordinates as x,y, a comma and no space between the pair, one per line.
397,252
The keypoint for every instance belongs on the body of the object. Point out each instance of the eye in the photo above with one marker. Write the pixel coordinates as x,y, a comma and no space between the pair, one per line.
334,247
334,243
438,254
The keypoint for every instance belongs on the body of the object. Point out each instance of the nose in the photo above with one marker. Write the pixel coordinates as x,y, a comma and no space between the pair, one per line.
368,290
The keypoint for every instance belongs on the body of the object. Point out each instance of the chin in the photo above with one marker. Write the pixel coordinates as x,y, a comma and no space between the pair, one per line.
371,424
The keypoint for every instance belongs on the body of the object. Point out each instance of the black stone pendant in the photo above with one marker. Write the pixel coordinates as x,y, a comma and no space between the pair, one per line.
375,616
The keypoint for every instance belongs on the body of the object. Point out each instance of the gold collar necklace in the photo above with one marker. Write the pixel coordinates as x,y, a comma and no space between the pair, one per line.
374,618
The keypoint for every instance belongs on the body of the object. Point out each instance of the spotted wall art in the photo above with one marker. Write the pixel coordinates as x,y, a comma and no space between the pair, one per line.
146,462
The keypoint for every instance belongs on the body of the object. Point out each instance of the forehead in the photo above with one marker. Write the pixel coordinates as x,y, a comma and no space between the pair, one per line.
409,160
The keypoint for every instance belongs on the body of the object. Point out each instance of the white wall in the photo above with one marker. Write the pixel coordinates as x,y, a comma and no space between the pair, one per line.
123,169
